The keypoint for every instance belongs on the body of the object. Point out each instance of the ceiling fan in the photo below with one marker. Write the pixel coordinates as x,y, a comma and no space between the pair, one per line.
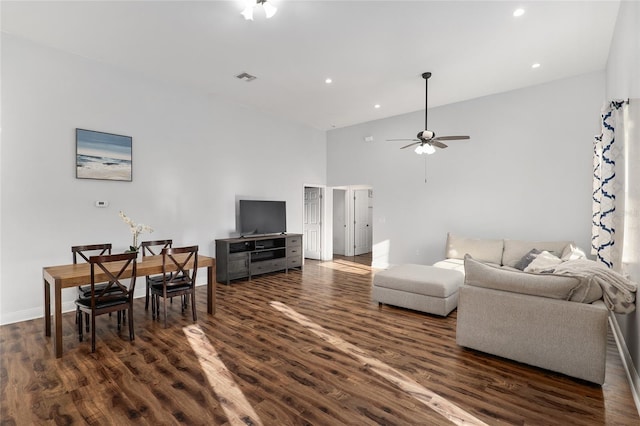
427,139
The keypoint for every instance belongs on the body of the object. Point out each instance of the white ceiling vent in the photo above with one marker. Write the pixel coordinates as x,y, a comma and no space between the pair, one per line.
245,77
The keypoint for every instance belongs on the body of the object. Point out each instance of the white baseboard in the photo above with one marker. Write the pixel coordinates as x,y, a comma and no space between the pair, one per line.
23,315
627,362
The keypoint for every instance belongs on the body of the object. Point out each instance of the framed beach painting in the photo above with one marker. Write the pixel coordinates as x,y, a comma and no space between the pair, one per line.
103,156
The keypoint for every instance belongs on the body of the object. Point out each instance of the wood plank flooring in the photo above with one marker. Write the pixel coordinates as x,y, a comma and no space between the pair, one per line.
304,348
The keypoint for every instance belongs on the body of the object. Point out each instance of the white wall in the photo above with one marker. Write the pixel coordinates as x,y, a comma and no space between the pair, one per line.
525,173
623,82
193,157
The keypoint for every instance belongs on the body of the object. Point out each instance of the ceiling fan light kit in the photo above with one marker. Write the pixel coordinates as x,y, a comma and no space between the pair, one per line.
269,9
426,140
425,149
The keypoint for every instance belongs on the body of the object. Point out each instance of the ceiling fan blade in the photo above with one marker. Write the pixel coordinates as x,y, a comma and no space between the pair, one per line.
437,143
451,138
414,139
411,144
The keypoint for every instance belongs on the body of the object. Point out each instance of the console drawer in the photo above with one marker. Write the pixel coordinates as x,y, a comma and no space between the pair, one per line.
294,241
294,251
294,262
265,266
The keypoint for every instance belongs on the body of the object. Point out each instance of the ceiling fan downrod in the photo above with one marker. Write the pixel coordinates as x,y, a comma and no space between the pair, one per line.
426,76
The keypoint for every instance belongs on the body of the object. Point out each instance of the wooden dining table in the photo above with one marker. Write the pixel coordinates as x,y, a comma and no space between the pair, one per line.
73,275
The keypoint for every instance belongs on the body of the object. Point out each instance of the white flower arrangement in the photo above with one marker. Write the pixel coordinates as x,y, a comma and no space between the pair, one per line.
136,229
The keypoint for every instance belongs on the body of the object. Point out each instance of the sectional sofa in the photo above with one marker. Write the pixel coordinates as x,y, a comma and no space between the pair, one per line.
556,322
550,321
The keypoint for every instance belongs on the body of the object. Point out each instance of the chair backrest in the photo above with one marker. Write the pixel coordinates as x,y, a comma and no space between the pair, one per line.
115,288
96,249
180,257
153,248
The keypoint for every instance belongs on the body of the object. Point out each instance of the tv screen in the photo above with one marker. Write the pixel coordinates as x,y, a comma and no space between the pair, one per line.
259,217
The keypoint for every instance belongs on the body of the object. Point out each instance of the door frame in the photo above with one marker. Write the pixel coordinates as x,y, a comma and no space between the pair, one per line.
326,221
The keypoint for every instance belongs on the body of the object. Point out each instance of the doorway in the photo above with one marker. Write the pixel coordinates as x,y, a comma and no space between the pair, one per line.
362,214
352,220
313,207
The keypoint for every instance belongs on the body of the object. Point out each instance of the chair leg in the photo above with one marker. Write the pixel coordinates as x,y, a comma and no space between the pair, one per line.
79,321
131,333
154,303
93,333
193,306
86,318
119,318
164,304
146,299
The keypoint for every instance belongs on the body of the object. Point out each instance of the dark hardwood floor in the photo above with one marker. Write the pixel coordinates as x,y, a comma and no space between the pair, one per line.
304,348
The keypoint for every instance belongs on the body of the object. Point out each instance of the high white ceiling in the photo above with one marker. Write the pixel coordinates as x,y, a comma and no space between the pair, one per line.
375,51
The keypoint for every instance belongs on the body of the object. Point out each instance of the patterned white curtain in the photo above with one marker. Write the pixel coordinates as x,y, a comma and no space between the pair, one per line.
609,187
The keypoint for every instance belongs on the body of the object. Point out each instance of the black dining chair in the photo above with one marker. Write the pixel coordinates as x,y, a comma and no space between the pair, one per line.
181,283
115,296
82,253
153,248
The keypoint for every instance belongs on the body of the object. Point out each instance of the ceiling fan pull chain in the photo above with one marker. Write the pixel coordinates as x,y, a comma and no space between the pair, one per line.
425,169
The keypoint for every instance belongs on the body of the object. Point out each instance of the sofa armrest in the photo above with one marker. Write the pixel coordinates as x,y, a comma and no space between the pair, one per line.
562,336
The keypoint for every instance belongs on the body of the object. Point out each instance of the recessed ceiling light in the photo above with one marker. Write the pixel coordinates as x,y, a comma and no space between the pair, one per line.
536,65
376,106
328,81
518,12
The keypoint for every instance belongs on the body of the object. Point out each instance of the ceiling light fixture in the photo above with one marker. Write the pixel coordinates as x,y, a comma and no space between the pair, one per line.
425,149
376,106
269,9
536,65
245,77
518,12
328,81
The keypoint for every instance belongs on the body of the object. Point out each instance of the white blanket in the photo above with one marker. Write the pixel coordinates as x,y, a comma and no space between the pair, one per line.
618,292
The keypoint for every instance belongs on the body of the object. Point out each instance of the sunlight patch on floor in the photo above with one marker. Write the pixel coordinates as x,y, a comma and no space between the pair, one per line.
235,405
346,266
432,400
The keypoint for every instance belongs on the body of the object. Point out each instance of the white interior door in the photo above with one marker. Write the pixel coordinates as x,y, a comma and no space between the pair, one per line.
362,227
340,216
312,222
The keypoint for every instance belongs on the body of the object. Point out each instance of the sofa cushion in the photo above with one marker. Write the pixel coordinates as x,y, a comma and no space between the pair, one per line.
572,252
494,277
484,250
420,279
527,259
514,250
543,262
453,264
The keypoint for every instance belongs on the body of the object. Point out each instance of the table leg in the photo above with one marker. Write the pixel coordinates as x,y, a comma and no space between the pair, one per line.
57,320
47,308
211,291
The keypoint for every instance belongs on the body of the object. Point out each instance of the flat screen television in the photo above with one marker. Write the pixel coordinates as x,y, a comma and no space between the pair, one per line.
258,217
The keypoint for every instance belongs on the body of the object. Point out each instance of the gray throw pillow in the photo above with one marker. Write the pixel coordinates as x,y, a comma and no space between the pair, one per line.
527,259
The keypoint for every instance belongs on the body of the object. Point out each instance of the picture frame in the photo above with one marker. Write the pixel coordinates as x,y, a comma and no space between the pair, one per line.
103,156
